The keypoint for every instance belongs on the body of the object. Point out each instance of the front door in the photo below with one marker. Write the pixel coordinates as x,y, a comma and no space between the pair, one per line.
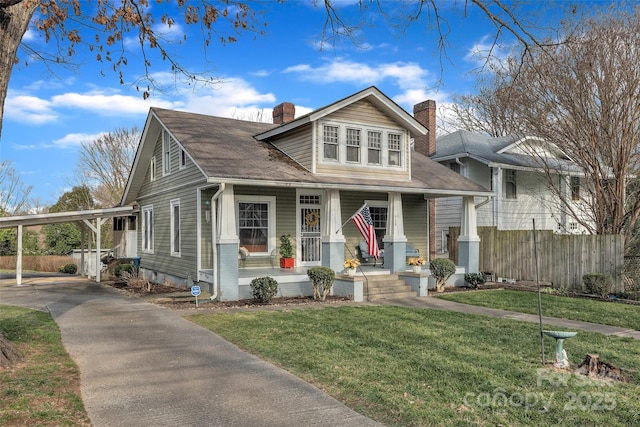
309,229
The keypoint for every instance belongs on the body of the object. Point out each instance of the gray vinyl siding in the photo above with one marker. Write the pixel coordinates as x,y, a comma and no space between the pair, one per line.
298,146
366,115
179,184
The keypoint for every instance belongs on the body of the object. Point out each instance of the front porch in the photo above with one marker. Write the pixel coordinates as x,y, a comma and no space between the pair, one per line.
368,284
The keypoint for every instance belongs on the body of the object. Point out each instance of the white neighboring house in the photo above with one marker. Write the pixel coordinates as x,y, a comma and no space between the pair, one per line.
523,192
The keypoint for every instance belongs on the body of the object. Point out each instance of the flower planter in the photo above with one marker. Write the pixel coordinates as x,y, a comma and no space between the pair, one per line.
286,262
416,268
351,271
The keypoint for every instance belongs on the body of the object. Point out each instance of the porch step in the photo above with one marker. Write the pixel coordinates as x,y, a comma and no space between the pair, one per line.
386,287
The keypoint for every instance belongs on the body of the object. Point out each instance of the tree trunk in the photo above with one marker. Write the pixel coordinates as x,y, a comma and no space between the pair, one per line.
593,366
8,353
14,21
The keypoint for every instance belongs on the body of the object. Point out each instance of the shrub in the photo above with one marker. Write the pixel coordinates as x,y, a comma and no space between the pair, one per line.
441,269
286,248
322,281
134,279
597,284
121,268
68,268
263,289
474,279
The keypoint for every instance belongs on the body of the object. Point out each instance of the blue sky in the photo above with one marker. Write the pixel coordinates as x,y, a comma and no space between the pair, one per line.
47,115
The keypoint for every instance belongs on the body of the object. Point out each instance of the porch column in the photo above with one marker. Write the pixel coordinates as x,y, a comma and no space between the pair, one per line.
227,246
395,242
469,242
333,240
19,257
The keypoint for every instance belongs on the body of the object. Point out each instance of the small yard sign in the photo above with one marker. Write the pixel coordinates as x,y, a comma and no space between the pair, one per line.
195,291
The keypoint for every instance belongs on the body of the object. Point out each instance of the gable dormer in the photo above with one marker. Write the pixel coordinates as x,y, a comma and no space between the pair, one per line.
365,135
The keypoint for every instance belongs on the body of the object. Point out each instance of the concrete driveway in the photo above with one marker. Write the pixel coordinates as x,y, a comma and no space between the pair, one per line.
144,365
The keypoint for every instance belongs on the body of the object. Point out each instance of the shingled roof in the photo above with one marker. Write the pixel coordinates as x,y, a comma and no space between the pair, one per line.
226,149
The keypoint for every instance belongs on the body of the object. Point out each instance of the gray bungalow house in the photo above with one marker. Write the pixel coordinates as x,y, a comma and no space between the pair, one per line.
214,195
527,175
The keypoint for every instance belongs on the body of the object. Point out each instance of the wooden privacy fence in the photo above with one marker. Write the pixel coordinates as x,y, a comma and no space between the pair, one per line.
562,258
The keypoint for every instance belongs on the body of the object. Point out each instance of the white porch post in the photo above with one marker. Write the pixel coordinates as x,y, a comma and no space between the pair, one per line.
469,241
395,242
96,229
19,257
332,238
227,246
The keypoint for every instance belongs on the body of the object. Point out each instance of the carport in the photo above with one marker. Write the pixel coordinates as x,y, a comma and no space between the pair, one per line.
93,218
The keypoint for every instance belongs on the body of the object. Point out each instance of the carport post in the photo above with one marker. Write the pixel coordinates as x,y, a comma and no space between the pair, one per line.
96,229
19,257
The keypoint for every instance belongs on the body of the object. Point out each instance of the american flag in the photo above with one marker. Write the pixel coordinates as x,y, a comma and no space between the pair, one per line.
364,223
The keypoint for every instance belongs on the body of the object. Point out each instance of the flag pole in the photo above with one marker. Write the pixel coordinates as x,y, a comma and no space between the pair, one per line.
351,217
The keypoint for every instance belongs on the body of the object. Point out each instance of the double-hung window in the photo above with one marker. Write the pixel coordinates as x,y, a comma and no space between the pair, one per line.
394,146
175,227
575,188
330,138
152,169
353,145
256,223
147,228
374,144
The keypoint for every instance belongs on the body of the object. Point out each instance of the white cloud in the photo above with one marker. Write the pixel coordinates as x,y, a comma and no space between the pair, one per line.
28,109
234,97
111,104
72,140
486,52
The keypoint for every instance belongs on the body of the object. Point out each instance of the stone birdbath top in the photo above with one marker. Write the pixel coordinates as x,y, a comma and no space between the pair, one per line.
561,356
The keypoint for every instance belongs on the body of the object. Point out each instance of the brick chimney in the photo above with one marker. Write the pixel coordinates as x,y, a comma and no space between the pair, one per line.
284,113
425,113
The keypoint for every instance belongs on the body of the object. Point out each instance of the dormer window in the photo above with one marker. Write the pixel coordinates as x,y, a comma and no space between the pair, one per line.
375,146
330,137
353,145
365,146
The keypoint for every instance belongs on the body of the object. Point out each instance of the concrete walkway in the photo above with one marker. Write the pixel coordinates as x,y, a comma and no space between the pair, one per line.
441,304
144,365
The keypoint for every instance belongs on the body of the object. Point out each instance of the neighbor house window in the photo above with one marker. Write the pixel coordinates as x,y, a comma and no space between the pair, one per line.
353,145
147,228
374,144
175,227
454,166
330,135
256,223
511,184
152,169
183,159
394,147
575,188
166,153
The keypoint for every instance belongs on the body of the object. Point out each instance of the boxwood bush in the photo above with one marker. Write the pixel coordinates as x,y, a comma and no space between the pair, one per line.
441,269
263,289
597,284
68,268
322,281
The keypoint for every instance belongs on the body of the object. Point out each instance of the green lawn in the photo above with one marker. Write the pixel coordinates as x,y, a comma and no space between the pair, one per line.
409,367
603,312
43,389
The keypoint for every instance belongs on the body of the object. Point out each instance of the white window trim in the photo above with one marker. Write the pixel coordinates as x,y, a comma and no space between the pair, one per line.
166,153
147,246
271,227
152,169
173,204
323,143
364,146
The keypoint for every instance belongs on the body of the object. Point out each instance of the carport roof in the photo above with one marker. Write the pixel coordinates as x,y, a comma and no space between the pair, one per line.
58,217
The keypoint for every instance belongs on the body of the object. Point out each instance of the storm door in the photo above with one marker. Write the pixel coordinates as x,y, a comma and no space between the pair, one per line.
309,229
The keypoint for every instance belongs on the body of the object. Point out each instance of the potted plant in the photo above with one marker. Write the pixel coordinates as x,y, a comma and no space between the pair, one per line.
416,263
350,265
286,251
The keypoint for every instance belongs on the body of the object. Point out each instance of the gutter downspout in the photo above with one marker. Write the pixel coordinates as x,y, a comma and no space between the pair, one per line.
484,202
214,238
